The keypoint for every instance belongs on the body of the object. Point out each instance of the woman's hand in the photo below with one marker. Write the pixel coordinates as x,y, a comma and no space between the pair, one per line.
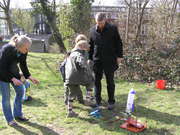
35,81
16,81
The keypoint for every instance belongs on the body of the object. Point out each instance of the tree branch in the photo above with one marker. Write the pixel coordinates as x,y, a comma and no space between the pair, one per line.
5,4
1,6
129,5
8,3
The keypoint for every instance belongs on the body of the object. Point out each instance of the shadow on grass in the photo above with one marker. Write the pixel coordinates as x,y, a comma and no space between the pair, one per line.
43,129
23,130
35,102
157,116
110,123
160,131
147,113
141,111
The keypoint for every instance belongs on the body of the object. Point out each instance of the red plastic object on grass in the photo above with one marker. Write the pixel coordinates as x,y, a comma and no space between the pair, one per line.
133,125
161,84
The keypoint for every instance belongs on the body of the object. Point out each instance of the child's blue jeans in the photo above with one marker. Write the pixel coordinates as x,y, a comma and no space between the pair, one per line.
26,85
6,107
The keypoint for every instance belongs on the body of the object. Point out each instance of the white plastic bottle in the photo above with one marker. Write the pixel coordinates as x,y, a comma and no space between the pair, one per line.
130,101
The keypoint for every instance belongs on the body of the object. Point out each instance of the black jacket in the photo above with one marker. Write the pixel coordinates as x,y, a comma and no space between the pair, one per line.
105,46
9,59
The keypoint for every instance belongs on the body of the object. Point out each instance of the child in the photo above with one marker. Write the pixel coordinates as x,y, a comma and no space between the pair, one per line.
89,92
26,88
62,71
77,73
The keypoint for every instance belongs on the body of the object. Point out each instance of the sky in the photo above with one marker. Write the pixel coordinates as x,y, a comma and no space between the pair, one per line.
26,3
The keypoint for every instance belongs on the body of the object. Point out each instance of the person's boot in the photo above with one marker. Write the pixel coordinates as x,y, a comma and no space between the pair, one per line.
70,113
29,98
111,106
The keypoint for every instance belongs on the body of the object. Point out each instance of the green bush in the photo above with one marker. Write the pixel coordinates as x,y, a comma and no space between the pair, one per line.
151,64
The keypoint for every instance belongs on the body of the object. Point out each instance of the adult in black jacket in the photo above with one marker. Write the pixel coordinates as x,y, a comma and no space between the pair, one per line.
11,55
106,51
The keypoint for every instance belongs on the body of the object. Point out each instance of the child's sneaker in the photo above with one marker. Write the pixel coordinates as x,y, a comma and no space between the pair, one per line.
29,98
72,114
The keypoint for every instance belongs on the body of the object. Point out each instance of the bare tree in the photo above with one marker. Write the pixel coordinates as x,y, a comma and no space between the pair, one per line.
129,4
141,7
5,6
134,18
165,25
173,11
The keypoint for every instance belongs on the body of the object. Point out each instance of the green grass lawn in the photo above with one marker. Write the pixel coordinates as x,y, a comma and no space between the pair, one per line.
160,109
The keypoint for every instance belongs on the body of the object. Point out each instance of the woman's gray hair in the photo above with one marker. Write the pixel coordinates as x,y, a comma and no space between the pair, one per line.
100,16
20,40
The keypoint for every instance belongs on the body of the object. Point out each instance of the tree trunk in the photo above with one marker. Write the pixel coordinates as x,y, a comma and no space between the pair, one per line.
51,17
127,21
4,5
173,11
140,18
9,22
58,38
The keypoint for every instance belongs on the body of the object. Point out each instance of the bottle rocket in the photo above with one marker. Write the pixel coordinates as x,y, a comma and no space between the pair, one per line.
130,101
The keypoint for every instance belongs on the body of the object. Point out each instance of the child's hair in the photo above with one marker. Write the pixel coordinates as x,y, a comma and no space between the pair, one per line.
82,44
80,37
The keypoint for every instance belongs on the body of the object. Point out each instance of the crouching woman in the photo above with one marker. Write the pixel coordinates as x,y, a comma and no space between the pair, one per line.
15,52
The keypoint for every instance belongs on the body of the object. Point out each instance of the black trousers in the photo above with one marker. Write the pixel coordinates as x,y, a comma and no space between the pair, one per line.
109,74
